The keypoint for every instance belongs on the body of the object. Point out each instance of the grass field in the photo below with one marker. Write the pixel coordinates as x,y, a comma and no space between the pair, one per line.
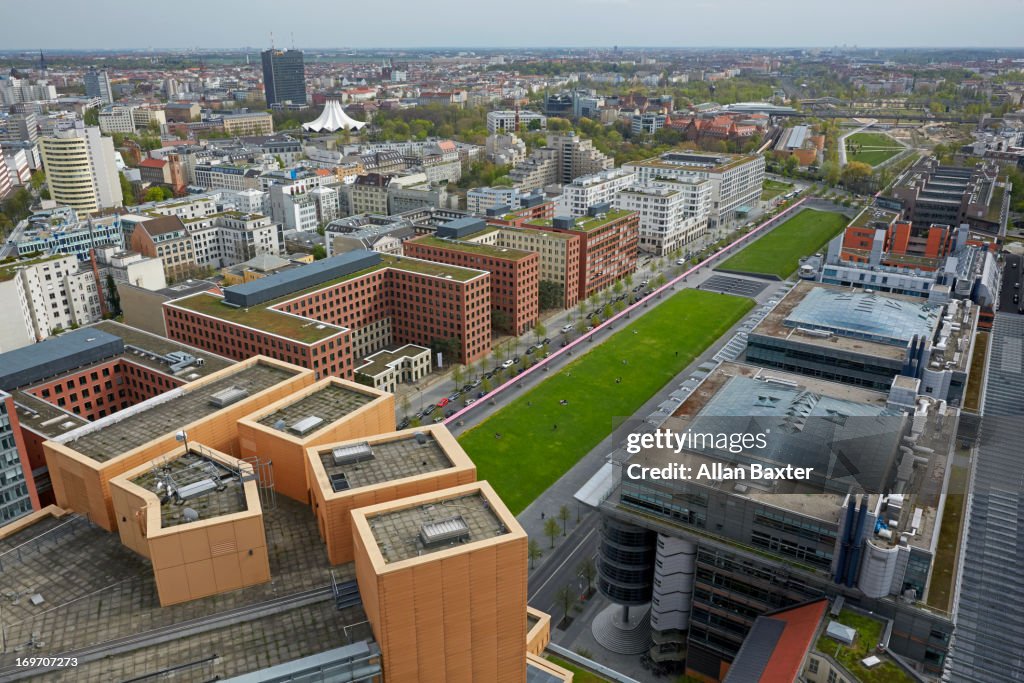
778,252
871,148
532,454
773,188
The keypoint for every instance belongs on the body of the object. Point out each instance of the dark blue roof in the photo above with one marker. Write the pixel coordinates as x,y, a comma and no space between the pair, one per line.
461,227
57,355
295,279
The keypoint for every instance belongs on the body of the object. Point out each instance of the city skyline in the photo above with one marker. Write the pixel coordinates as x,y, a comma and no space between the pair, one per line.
875,25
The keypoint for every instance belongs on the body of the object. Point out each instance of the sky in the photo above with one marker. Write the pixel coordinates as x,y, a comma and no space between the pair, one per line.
121,24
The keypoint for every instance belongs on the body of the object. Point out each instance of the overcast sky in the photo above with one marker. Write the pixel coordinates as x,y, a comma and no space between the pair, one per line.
114,24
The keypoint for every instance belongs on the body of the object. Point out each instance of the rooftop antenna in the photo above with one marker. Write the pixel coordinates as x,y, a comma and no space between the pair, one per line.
271,40
293,39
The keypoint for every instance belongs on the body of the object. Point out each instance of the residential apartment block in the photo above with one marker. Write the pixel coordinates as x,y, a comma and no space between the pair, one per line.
735,180
596,188
667,220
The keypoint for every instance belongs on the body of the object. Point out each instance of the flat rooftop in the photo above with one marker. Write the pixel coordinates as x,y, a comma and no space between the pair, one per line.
264,316
462,519
875,217
390,461
150,350
696,161
492,251
586,223
817,417
225,494
113,595
117,434
330,403
378,362
835,313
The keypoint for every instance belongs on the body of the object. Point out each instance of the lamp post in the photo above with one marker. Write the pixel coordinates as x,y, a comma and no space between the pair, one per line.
182,436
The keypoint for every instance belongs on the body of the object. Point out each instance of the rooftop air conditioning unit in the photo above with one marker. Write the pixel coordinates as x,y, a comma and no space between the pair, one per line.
223,399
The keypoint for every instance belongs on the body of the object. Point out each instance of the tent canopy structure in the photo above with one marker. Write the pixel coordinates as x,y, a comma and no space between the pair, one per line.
333,118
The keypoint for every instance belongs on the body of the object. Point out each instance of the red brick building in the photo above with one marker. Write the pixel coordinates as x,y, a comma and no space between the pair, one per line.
360,302
515,275
608,245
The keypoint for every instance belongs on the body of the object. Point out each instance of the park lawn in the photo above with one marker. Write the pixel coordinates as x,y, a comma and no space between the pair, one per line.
532,454
773,188
875,148
778,253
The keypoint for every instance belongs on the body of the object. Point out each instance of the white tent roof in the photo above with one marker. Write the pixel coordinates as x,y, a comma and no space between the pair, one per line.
333,118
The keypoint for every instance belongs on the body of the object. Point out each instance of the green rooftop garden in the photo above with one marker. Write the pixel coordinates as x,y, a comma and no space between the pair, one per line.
868,633
587,223
306,331
474,248
265,317
9,269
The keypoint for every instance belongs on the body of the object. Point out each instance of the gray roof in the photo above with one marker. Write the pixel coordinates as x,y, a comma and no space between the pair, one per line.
846,442
988,643
756,651
296,279
865,315
56,355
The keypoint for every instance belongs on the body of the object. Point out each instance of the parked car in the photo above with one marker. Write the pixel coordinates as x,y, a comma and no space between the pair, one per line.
443,402
515,360
530,350
479,394
507,364
454,396
546,341
465,388
567,328
404,423
681,262
449,413
475,383
439,418
470,401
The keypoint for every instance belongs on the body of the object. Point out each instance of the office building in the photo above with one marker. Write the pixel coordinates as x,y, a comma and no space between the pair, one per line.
515,274
384,234
864,338
97,84
514,121
930,193
608,244
81,171
386,369
284,77
401,543
61,232
647,123
701,558
176,502
369,194
735,180
17,495
250,123
20,128
593,189
324,315
480,200
666,222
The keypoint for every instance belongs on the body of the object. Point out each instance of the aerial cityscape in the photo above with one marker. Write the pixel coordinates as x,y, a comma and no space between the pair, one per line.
361,344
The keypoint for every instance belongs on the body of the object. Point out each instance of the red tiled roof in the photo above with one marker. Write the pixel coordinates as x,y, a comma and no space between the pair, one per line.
152,163
796,639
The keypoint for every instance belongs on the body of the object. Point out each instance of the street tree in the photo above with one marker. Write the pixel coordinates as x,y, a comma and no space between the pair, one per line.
533,551
587,570
563,516
551,530
565,598
539,331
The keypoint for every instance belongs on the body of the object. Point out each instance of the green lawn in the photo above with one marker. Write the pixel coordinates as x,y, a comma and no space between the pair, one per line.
871,148
531,454
773,188
778,252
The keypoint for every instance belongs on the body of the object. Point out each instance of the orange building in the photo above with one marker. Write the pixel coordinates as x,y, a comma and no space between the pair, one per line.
354,474
197,517
442,576
83,461
331,410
